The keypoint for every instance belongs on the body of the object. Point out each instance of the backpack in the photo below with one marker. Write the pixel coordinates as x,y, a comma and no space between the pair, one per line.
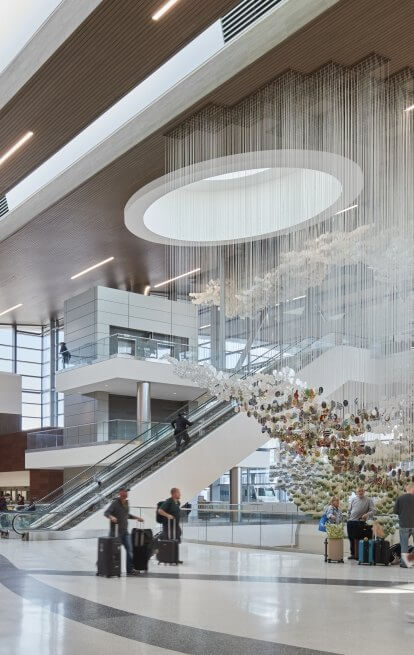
158,517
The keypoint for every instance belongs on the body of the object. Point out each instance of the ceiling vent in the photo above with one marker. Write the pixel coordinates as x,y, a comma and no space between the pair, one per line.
243,15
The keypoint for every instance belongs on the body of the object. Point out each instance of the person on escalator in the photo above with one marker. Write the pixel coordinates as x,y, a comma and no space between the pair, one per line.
180,425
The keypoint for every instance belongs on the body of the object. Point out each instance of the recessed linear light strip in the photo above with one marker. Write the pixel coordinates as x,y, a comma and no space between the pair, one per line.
10,309
16,147
346,210
178,277
204,327
164,9
410,108
91,268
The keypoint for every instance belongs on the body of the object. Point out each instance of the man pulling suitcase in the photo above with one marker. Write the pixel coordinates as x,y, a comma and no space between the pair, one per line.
170,513
118,514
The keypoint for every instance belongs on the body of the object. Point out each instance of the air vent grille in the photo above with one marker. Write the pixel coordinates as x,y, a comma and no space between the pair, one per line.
3,205
243,15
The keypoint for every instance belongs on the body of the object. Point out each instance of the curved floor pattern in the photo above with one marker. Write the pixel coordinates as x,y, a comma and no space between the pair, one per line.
236,578
163,634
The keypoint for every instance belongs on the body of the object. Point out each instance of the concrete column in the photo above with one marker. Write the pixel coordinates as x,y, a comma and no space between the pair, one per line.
143,402
235,492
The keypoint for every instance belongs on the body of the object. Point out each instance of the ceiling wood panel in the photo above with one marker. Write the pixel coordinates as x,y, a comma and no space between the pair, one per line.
87,225
113,50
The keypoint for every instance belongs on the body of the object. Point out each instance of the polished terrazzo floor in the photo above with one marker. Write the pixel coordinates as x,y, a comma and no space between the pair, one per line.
222,600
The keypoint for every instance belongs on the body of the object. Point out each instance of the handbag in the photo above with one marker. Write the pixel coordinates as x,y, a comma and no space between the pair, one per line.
322,523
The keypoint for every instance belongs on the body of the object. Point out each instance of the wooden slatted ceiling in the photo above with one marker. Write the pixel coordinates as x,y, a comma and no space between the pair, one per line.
113,50
87,225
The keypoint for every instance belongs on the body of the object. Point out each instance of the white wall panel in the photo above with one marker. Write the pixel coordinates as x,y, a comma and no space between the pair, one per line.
10,393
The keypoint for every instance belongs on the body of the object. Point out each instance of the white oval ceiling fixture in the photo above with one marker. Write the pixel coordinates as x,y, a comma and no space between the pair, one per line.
243,197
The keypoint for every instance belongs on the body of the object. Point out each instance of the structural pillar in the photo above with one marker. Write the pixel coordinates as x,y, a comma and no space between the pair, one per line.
235,492
143,405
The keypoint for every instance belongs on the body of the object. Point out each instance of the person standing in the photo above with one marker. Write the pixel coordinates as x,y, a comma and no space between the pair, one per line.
118,514
65,354
404,508
180,425
361,508
170,511
4,521
333,513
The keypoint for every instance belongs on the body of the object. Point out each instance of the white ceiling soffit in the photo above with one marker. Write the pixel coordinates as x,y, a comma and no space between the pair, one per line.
18,19
272,29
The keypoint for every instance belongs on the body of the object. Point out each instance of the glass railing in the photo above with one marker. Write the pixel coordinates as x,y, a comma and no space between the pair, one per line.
254,525
124,345
90,434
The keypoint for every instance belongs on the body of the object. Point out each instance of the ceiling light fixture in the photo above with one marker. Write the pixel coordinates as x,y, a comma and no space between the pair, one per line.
204,327
298,298
163,10
91,268
16,147
10,309
410,108
147,290
178,277
346,210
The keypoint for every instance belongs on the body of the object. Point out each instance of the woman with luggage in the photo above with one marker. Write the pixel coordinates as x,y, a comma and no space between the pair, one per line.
333,512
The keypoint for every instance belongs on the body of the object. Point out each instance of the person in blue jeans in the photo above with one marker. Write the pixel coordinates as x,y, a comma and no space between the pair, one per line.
404,508
118,514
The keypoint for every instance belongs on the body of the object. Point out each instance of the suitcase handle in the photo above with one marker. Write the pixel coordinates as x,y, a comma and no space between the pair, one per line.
169,529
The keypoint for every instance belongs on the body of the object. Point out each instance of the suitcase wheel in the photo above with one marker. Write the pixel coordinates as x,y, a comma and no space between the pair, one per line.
329,561
359,562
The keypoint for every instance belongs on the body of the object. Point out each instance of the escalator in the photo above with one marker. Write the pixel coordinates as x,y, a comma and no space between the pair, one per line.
133,462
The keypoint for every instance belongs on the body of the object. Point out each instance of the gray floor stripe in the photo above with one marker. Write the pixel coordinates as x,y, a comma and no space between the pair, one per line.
335,582
155,632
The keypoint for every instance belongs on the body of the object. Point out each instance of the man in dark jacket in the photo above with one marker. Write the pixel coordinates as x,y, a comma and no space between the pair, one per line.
118,514
404,507
180,425
170,512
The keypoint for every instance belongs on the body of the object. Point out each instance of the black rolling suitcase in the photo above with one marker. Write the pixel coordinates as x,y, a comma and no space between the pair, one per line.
109,557
382,552
142,541
167,552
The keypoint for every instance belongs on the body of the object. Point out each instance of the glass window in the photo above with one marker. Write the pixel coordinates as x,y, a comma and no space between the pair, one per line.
29,340
29,355
6,366
28,397
26,368
6,335
6,352
31,383
29,423
28,409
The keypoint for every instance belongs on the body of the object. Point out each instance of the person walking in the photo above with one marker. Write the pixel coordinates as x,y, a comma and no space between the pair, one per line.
118,514
404,508
4,519
65,354
361,508
170,511
180,425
